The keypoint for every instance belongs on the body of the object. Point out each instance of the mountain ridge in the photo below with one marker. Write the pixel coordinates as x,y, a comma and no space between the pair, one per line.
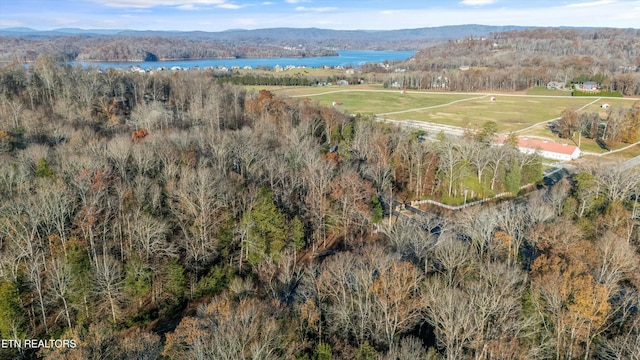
70,44
448,31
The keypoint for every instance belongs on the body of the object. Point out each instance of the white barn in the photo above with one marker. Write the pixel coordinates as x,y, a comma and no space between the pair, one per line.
546,149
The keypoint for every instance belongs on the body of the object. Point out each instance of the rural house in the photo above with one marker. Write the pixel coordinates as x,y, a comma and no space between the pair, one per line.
555,85
587,86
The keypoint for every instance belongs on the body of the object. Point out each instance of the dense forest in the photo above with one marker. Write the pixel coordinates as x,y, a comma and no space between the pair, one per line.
141,48
246,225
518,60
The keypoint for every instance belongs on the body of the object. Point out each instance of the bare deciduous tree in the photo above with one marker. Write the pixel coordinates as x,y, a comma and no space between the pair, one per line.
223,330
108,286
450,311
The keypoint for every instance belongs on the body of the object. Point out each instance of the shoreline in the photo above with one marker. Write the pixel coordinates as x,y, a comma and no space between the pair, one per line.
176,59
337,54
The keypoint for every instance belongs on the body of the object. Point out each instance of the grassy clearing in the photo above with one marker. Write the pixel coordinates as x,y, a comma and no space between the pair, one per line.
312,90
596,107
590,145
510,112
541,130
542,90
630,153
386,101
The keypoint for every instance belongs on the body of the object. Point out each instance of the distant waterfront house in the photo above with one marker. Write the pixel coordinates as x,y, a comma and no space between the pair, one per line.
555,85
587,86
546,149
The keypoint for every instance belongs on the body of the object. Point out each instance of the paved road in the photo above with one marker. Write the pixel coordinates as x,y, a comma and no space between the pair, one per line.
630,163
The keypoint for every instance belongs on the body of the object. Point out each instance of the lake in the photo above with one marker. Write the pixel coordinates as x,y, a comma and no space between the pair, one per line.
345,58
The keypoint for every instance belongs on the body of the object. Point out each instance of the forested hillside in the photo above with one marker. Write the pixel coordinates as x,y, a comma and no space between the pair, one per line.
245,225
141,48
518,60
129,45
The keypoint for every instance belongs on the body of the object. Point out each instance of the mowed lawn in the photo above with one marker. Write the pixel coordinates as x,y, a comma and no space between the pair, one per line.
510,112
381,101
366,99
597,107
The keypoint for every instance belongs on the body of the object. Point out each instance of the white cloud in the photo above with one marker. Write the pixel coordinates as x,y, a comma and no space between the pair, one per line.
316,9
267,3
590,3
188,7
296,1
153,3
230,6
477,2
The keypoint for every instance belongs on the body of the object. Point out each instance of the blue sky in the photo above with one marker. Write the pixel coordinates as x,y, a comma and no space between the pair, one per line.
217,15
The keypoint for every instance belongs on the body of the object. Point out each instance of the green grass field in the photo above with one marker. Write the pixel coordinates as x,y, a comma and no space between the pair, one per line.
381,101
596,107
510,112
542,90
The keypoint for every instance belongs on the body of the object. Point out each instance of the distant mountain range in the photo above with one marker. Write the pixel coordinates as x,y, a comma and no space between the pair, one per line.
71,44
343,39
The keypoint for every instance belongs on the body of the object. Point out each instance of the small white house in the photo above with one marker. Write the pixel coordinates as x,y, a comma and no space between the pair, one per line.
555,85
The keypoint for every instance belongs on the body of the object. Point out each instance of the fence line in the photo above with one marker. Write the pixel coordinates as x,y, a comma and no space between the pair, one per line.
464,206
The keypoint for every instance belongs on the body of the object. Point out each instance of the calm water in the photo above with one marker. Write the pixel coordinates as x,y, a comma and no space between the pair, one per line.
345,58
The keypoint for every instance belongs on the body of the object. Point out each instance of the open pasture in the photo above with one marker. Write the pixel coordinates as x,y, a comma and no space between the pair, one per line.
597,106
385,101
510,112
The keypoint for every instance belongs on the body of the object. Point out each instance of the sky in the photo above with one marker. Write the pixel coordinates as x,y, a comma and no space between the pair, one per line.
219,15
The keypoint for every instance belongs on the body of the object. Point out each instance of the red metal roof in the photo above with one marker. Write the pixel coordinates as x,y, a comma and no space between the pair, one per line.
542,145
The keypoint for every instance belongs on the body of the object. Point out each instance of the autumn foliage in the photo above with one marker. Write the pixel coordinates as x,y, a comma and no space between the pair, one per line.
255,226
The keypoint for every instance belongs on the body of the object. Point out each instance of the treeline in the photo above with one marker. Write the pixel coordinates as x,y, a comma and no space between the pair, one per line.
284,80
139,48
622,124
249,225
517,60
